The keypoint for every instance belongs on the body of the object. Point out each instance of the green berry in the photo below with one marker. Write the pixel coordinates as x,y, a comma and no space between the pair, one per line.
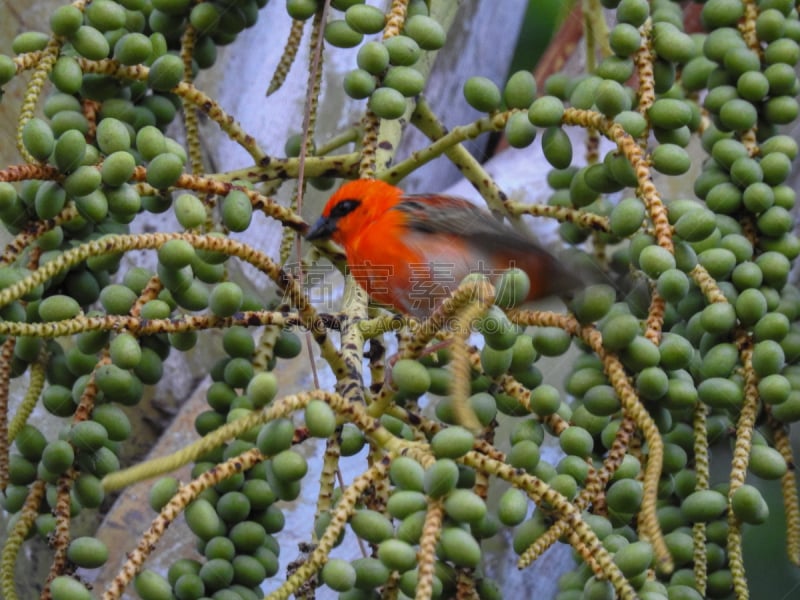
403,503
576,441
770,25
703,506
133,48
411,377
627,217
441,478
406,473
371,526
671,159
625,496
585,91
320,419
752,86
373,57
275,436
774,389
551,341
427,32
719,317
288,465
65,587
624,39
557,147
301,9
634,558
452,442
406,80
615,68
633,12
782,51
150,142
226,299
669,113
601,400
721,41
58,308
749,505
30,442
216,573
237,211
162,492
203,520
189,210
738,115
83,181
721,13
460,547
359,84
387,103
524,454
165,73
117,169
546,111
718,392
781,110
768,358
65,20
512,289
339,33
593,303
176,254
611,98
671,44
365,19
338,574
105,15
164,170
262,388
519,131
512,507
403,50
397,555
90,43
632,122
7,69
482,94
370,573
88,436
495,362
87,552
125,351
112,136
38,139
58,456
520,91
781,78
767,463
465,506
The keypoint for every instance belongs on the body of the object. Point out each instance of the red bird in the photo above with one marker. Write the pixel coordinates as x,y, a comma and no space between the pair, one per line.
411,251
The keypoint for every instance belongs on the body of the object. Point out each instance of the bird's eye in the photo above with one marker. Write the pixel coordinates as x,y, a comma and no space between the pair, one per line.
344,207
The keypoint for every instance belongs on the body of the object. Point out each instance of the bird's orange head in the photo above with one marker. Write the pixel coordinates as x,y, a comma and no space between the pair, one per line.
352,208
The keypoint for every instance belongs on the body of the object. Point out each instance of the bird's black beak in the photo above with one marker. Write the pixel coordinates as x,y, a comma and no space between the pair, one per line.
322,229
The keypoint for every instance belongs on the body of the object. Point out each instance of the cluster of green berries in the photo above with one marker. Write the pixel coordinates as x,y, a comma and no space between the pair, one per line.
739,229
386,72
96,157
